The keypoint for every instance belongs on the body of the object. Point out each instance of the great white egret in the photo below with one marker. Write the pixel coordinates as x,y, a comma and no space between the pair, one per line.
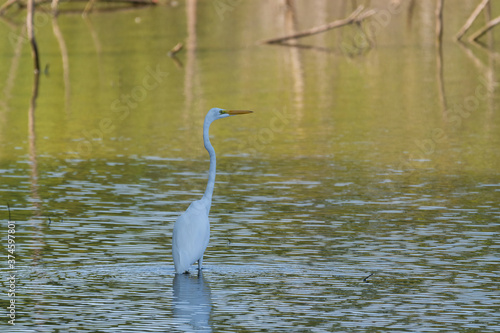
192,228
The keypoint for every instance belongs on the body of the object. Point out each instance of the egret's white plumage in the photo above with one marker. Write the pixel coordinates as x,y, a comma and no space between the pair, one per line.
192,228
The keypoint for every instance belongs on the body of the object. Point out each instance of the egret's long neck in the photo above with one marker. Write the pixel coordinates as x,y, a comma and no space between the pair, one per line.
211,173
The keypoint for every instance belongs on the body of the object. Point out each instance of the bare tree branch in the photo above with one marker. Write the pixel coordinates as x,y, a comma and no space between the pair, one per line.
6,5
355,17
471,19
485,29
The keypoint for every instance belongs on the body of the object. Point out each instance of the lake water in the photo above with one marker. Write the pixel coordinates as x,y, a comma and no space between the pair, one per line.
362,195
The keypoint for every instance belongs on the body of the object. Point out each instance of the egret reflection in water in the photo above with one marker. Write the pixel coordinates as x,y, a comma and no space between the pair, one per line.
191,303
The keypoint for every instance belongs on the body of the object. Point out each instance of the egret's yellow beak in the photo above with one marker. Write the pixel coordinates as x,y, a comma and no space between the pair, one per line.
236,112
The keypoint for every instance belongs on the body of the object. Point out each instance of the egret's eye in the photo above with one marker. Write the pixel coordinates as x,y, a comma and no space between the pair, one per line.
222,112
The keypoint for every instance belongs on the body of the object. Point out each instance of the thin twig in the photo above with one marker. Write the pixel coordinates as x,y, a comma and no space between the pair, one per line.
38,2
439,20
88,7
53,6
7,5
175,49
355,17
365,15
485,29
135,2
172,54
307,47
471,19
366,278
31,35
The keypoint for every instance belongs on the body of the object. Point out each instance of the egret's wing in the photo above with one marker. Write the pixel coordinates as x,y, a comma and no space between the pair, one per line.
190,237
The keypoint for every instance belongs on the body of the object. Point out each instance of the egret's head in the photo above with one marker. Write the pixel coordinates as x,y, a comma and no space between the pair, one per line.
217,113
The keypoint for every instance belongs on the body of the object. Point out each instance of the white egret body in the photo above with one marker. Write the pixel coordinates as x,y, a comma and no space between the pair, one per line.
192,228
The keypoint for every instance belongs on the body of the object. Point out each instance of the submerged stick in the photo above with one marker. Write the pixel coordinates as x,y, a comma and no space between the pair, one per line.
485,29
173,54
471,19
366,278
355,17
175,49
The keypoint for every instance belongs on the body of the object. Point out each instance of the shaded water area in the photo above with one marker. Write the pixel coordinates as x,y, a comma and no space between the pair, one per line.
363,156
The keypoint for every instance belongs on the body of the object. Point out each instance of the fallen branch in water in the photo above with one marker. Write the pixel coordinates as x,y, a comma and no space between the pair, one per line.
175,49
88,7
134,2
366,278
6,5
471,19
9,3
355,17
485,29
172,54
